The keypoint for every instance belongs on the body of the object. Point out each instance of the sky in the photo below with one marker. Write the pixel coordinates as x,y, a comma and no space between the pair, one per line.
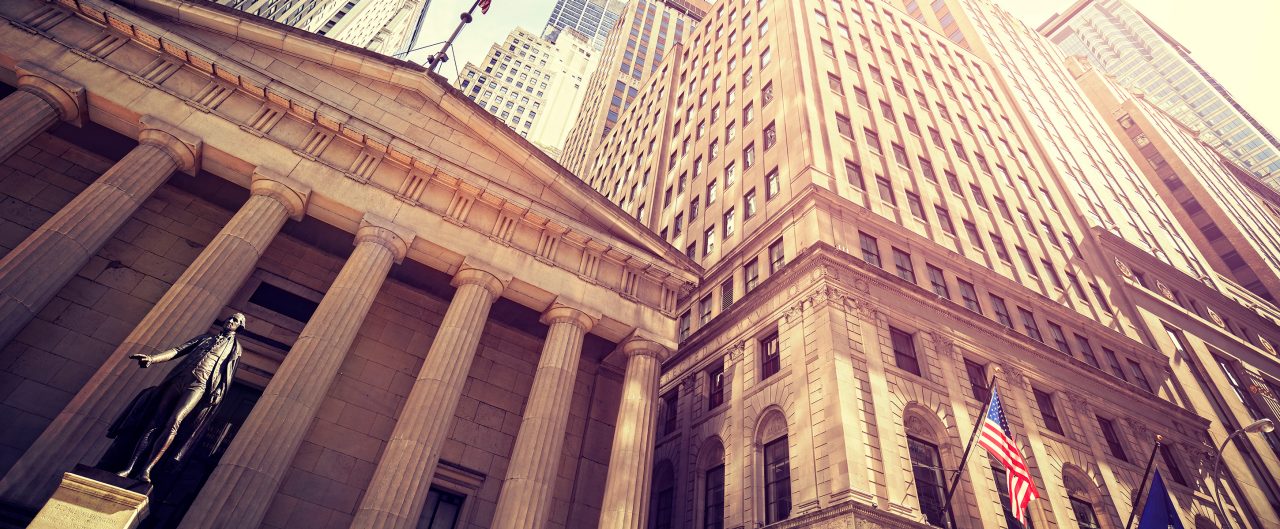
1216,33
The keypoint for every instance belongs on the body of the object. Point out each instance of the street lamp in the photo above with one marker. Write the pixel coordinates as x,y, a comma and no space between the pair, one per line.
1260,425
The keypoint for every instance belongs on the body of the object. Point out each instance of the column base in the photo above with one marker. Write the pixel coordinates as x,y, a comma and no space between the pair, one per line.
90,498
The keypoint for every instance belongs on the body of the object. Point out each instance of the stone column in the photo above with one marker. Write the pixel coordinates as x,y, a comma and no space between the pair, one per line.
43,98
400,483
889,429
525,500
626,489
241,487
78,433
33,272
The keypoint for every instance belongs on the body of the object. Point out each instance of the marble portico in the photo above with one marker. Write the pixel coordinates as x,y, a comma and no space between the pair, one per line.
368,145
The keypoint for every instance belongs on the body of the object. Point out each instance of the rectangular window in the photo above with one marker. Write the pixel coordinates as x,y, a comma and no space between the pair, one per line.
853,172
1086,350
944,220
977,380
686,320
715,387
1044,401
844,126
1112,438
771,184
749,203
1085,516
914,204
969,295
670,407
870,249
1139,377
1029,326
704,310
1002,487
1114,362
971,230
873,141
938,281
726,294
776,257
926,467
1059,338
886,190
1001,311
713,499
777,481
442,509
902,262
770,356
1171,465
904,350
770,136
751,274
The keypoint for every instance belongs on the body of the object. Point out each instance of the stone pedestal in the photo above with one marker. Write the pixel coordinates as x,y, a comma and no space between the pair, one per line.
89,498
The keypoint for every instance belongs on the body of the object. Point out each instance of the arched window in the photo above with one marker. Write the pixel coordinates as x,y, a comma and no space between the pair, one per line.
775,465
1082,494
928,471
711,484
664,491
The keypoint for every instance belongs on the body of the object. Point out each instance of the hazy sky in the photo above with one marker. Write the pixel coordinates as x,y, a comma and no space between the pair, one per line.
1236,41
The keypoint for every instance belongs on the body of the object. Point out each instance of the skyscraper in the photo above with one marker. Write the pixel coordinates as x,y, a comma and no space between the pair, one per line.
382,26
895,203
593,18
646,31
534,86
1122,42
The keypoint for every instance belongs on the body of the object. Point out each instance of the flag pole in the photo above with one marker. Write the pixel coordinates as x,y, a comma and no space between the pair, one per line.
1143,486
977,427
440,57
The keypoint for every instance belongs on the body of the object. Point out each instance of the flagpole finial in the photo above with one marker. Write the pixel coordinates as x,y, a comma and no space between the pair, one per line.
1159,438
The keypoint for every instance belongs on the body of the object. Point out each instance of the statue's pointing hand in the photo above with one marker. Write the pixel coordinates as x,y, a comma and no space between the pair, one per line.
144,361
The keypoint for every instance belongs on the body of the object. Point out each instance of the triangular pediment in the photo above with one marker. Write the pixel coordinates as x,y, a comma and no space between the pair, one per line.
415,115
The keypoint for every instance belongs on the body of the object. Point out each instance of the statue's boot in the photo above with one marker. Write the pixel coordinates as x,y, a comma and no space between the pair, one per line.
139,450
157,452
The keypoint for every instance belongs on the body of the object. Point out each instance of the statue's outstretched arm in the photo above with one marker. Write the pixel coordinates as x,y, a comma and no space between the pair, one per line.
173,352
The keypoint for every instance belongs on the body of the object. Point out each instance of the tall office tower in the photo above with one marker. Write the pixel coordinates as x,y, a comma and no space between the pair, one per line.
533,85
647,29
381,26
593,18
892,208
1122,42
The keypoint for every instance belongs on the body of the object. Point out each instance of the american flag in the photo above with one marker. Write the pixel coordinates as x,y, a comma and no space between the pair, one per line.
998,440
484,5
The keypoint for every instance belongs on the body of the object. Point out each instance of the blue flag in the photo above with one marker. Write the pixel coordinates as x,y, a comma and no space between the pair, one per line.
1159,512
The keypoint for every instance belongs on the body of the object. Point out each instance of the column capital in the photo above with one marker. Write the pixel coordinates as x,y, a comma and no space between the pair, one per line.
182,145
380,230
470,274
64,95
292,193
640,346
558,313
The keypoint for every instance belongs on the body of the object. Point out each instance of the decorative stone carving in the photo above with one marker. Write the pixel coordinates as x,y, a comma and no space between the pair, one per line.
1124,268
1164,290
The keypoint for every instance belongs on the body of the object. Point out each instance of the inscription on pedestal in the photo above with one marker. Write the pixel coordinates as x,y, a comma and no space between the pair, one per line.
94,499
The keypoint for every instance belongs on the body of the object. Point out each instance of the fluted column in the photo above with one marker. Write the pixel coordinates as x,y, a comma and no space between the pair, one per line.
626,490
525,500
186,309
33,272
402,479
240,488
42,99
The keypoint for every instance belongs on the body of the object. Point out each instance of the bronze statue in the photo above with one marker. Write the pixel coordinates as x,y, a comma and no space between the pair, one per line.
178,408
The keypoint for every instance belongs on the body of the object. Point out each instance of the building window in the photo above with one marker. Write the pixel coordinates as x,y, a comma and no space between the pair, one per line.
1029,324
771,184
843,126
442,510
914,204
1114,362
751,274
726,294
663,502
977,380
1002,487
777,481
944,220
1086,350
902,262
969,295
1001,311
770,136
1085,517
776,257
853,172
1045,402
713,499
886,190
704,310
870,249
715,387
670,403
904,350
938,281
1171,465
926,466
770,356
1138,376
1113,438
749,204
685,321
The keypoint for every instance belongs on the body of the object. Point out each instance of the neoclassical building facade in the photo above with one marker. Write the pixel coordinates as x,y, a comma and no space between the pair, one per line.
446,329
